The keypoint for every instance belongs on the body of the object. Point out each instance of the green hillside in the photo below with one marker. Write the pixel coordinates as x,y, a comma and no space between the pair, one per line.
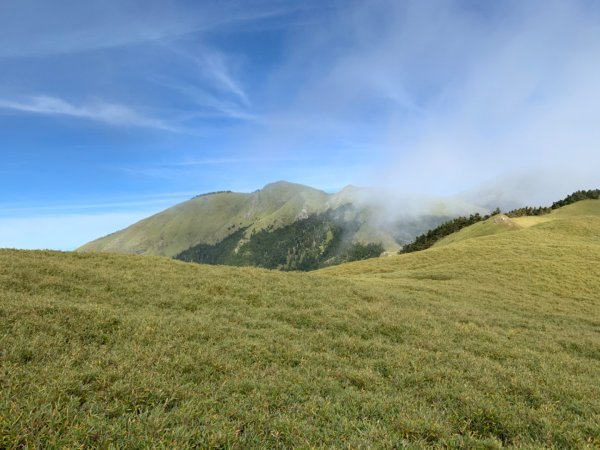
309,243
486,342
210,218
207,220
455,229
501,223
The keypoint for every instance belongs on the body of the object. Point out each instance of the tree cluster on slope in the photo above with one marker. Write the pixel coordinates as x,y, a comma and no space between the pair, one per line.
218,253
206,194
317,241
529,211
592,194
426,240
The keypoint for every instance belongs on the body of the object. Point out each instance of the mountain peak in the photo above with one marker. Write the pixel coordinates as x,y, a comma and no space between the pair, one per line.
283,184
350,188
287,188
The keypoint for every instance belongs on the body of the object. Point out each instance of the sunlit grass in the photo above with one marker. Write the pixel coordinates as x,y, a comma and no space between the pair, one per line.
488,342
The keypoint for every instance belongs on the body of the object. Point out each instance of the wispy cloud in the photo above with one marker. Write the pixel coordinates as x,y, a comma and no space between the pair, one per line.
101,24
213,65
435,96
147,202
207,105
210,83
448,94
175,170
109,113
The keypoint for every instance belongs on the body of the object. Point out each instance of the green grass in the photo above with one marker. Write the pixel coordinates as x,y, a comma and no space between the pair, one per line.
208,219
501,223
487,342
494,225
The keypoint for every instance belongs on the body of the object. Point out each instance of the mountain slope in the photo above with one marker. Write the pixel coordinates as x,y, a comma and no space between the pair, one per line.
486,342
569,235
309,243
500,223
209,219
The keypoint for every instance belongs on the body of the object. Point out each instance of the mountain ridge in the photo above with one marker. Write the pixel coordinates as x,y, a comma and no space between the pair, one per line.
209,218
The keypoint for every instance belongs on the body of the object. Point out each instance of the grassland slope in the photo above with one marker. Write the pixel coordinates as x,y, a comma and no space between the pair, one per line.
487,342
210,218
501,223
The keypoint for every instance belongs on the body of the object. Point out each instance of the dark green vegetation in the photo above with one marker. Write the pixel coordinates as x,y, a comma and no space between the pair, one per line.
428,239
306,244
432,236
575,197
593,194
488,342
209,219
206,194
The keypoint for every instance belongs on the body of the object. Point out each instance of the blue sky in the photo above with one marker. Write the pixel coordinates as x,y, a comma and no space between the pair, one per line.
114,109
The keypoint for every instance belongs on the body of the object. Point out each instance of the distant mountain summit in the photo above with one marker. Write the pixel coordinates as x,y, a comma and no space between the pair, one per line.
209,218
283,225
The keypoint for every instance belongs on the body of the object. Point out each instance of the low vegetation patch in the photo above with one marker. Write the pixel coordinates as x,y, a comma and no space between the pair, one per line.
484,343
428,239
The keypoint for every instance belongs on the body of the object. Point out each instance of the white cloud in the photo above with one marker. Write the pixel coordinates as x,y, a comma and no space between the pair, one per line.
109,113
208,105
37,28
449,96
136,202
214,66
524,102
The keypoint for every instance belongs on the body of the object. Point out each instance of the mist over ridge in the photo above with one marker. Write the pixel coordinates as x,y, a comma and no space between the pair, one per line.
140,105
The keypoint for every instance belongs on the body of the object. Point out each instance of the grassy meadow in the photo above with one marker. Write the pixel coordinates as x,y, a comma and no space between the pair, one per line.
488,341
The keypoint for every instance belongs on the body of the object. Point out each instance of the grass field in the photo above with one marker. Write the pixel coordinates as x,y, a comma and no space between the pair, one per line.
486,342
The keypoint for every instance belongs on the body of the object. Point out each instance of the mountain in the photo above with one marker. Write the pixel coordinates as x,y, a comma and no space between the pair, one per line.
214,227
308,243
489,339
209,218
